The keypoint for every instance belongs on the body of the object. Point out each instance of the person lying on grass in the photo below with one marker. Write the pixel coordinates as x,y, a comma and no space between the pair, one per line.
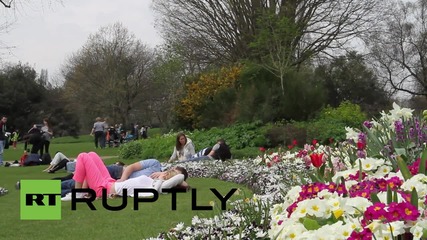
59,161
90,170
121,172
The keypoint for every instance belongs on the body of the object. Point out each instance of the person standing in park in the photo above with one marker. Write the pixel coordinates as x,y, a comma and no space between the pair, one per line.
46,135
2,137
98,131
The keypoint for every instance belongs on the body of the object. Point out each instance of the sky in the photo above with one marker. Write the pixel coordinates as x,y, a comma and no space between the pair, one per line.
45,33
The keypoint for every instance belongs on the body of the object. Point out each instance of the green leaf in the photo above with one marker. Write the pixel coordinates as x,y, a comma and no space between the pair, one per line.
422,166
400,151
311,224
414,198
360,171
403,168
374,198
314,177
322,171
395,196
389,195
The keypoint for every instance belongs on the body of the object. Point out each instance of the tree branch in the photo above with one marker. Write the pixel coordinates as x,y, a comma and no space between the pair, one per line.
5,4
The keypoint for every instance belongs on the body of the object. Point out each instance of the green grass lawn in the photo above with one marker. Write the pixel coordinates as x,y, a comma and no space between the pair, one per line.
83,223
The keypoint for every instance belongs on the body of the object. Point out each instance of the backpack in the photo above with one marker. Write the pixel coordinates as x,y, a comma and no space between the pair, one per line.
46,159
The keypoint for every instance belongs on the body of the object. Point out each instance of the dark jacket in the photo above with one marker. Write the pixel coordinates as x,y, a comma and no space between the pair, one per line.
2,131
223,152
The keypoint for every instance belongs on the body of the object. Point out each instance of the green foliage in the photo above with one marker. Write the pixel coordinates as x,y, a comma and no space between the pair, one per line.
131,149
331,122
284,134
237,136
348,78
260,96
245,137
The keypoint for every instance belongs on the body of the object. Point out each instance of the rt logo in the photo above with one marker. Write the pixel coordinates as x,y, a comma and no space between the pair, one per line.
40,199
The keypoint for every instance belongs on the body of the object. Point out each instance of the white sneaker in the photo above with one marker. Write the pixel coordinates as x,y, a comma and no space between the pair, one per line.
68,196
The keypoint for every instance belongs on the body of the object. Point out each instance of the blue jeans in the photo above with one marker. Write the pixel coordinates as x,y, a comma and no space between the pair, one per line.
2,142
115,171
66,186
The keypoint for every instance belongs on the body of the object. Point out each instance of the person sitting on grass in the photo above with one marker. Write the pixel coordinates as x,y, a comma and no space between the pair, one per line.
220,151
183,150
91,172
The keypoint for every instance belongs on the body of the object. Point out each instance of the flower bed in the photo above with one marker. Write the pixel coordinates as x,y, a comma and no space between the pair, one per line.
373,186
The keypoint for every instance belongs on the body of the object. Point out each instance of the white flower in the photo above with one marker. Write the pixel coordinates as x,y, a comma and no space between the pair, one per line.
418,229
382,171
351,134
400,113
312,207
179,226
354,205
418,182
369,164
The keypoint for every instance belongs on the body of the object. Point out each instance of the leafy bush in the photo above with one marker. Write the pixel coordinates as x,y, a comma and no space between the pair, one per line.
285,134
238,136
331,122
131,149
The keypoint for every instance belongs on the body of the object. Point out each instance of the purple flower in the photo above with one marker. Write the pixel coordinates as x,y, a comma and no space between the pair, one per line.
367,124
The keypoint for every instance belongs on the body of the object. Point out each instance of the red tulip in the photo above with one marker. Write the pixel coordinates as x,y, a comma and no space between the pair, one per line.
262,149
361,145
316,159
290,147
294,142
314,142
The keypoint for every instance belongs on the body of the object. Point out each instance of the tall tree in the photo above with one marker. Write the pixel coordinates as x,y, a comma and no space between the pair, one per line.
168,78
348,78
109,75
26,100
399,52
219,31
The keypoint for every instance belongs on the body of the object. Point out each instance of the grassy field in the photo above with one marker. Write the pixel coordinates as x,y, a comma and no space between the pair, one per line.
83,223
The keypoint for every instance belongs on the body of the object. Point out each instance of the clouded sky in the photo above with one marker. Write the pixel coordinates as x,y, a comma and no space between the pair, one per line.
45,35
